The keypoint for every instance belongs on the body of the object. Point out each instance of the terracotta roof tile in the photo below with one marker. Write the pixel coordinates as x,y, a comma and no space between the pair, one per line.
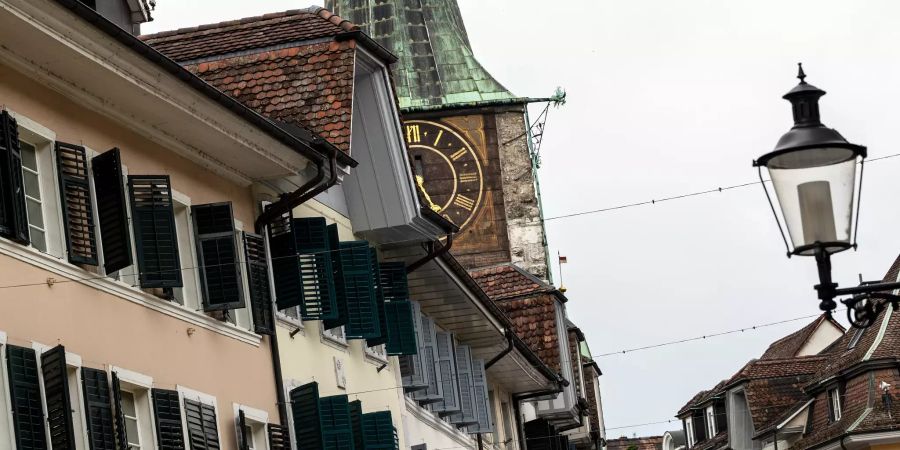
534,320
508,280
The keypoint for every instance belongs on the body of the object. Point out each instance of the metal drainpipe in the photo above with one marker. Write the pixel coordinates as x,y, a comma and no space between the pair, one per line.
480,443
432,253
287,203
509,347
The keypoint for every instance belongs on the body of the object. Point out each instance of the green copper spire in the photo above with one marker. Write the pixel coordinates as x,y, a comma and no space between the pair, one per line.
437,66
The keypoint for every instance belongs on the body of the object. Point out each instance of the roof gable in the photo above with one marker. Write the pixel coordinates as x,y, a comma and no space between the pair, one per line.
800,341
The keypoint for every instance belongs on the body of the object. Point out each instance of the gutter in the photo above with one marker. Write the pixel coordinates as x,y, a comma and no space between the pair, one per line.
435,249
509,348
369,44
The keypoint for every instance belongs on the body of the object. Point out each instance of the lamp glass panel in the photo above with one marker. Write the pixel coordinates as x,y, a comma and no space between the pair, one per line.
816,201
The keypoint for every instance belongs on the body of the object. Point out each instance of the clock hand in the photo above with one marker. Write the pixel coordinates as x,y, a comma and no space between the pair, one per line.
420,181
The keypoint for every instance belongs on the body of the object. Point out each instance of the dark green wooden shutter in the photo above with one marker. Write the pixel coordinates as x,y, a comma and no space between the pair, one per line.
278,437
340,299
285,263
393,281
243,439
167,412
337,433
446,374
356,424
316,271
464,376
217,254
203,431
112,215
411,368
305,414
258,277
378,430
98,409
355,286
121,432
153,214
482,399
401,328
434,392
13,218
25,398
379,302
59,403
75,196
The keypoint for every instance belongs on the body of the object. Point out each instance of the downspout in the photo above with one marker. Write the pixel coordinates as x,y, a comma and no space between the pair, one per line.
432,253
287,203
509,347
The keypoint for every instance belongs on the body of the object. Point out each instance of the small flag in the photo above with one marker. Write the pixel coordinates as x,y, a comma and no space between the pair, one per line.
563,259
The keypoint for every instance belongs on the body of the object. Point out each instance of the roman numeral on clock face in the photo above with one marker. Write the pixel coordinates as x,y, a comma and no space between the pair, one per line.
464,202
413,134
468,177
458,154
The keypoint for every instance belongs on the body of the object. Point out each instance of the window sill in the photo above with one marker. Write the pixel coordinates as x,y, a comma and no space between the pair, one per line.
375,358
290,323
340,344
123,290
432,420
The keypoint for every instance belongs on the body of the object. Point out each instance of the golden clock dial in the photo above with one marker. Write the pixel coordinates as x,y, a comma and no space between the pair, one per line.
448,172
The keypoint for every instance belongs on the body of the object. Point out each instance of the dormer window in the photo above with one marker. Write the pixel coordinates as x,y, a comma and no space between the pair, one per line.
710,421
689,431
834,402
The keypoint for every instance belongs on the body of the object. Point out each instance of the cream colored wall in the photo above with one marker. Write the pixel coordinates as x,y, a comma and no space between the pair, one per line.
309,356
822,337
104,328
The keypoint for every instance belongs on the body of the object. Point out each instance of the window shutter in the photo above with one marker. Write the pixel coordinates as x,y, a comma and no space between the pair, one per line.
355,285
111,211
154,231
434,392
217,254
401,330
98,417
316,272
305,413
831,393
203,432
25,398
167,412
285,263
392,286
258,276
340,299
466,416
411,368
447,376
378,430
59,403
121,432
243,439
278,438
75,196
482,399
379,301
13,218
337,433
356,425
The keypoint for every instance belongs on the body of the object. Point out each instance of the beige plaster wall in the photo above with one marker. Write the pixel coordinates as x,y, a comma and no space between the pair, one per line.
105,329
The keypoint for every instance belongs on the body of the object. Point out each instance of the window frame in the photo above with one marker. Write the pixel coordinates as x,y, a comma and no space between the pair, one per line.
257,420
329,337
371,353
207,399
835,404
138,384
76,395
711,426
689,430
6,421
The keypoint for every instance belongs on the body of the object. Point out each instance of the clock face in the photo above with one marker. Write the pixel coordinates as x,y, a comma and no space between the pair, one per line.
448,173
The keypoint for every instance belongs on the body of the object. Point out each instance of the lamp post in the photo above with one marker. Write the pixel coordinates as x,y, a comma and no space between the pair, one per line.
817,177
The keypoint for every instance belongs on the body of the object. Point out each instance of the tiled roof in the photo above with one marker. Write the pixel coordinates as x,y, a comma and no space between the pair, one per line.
718,441
791,344
508,280
306,84
248,33
639,443
534,320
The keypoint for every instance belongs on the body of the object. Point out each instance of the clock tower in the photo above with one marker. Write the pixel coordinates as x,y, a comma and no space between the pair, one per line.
469,137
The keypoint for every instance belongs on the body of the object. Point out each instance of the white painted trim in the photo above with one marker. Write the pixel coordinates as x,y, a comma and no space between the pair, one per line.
860,419
888,313
436,424
181,198
134,378
256,415
2,339
32,127
125,291
190,394
793,415
4,396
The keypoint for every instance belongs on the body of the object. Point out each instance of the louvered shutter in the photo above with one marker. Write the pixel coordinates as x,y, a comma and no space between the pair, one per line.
203,432
285,263
434,392
258,276
305,414
97,404
466,416
482,399
316,271
379,302
401,328
25,398
392,286
340,299
13,218
111,211
220,272
56,394
337,433
243,439
278,437
356,425
75,196
153,214
167,412
354,283
378,430
447,376
411,369
119,417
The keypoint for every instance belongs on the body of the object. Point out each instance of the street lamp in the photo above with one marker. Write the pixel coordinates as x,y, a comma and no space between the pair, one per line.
814,174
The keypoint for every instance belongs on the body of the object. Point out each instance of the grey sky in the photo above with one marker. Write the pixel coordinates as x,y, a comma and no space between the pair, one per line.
667,98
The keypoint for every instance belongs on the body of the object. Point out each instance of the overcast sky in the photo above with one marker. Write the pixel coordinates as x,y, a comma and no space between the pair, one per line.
668,98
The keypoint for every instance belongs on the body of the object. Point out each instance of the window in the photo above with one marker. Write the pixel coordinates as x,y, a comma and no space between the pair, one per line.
132,420
189,294
710,421
31,176
857,335
251,426
200,412
133,395
834,401
689,431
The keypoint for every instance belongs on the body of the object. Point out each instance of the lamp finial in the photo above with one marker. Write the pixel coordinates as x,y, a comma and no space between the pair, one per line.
800,74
